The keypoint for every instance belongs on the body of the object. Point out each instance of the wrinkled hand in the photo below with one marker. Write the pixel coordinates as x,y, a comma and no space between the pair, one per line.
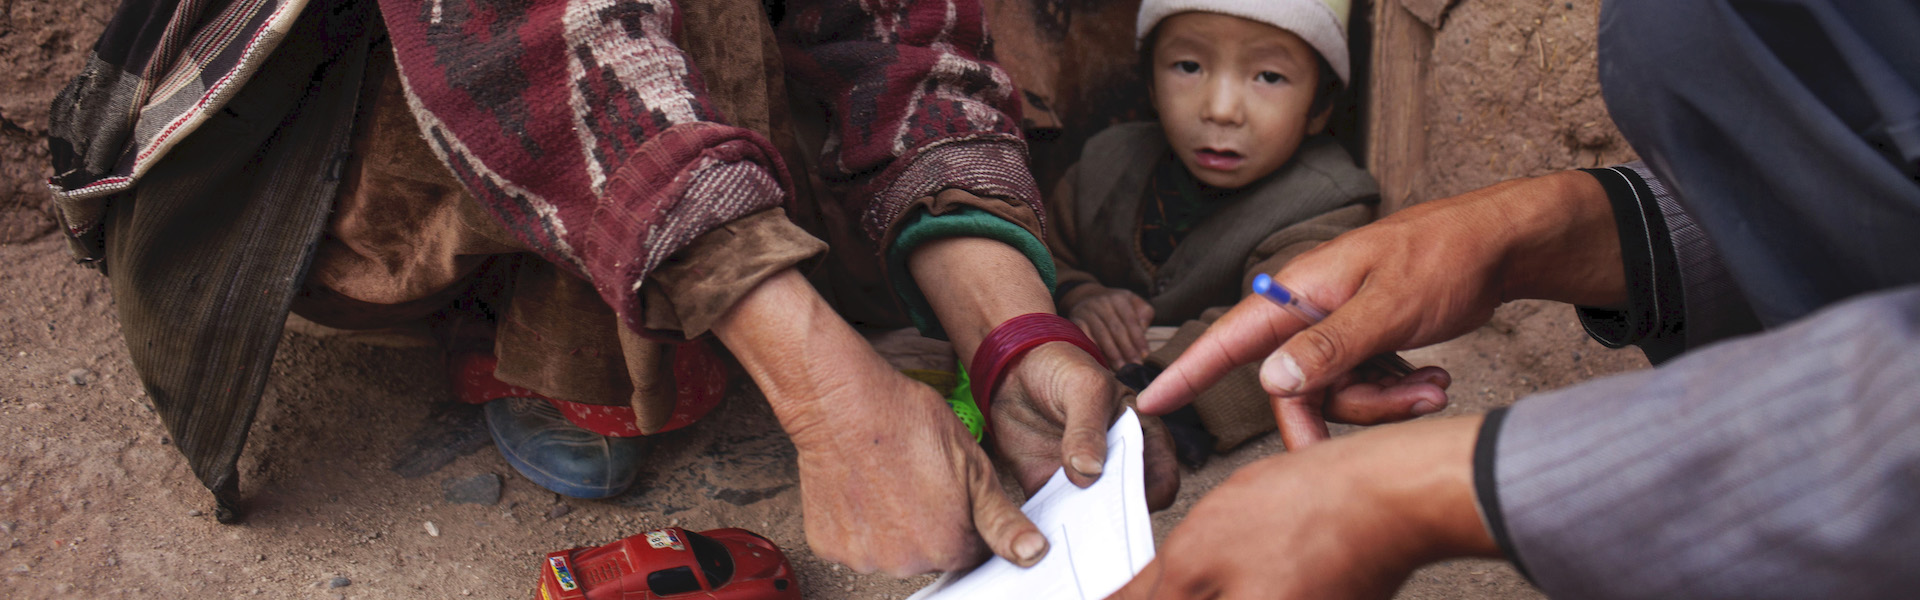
1117,321
902,487
889,479
1423,275
1053,405
1054,409
1346,519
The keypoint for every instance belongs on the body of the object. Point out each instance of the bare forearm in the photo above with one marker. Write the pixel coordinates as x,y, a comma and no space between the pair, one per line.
1551,237
1566,246
1423,473
794,346
1402,495
974,284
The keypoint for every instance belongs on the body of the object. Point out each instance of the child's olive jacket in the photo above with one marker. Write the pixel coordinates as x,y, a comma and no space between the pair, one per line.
1096,212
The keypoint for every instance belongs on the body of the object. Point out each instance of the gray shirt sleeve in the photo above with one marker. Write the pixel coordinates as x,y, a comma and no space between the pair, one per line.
1780,465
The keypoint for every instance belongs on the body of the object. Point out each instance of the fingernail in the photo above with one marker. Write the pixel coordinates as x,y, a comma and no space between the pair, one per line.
1427,407
1029,547
1086,465
1281,373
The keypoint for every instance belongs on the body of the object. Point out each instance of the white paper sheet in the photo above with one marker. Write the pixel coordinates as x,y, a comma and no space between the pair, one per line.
1098,537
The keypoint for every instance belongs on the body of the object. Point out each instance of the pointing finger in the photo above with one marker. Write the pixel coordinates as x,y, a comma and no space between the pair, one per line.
1245,334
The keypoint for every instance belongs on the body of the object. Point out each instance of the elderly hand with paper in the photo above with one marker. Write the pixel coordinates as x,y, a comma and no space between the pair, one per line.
890,480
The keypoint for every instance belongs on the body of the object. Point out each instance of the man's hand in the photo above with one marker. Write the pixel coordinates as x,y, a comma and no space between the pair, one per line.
1053,407
1421,276
889,479
1117,321
1347,519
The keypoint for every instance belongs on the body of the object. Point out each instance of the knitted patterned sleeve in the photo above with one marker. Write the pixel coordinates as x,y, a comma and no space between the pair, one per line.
583,128
916,104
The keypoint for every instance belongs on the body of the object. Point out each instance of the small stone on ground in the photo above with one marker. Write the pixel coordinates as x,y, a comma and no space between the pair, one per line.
339,582
478,489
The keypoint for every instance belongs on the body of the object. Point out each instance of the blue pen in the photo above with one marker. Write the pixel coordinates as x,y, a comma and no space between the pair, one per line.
1266,287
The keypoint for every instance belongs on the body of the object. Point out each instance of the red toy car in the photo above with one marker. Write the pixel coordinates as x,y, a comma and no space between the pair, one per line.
672,563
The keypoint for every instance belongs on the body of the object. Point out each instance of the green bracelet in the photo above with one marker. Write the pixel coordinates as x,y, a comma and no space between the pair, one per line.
962,402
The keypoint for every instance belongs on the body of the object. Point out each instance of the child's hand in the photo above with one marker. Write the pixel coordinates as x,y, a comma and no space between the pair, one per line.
1117,320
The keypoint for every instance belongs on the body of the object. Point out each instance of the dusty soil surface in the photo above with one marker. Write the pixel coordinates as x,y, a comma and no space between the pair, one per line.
95,503
42,43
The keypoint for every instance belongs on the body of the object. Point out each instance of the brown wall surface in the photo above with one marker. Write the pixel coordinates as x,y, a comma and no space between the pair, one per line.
1474,92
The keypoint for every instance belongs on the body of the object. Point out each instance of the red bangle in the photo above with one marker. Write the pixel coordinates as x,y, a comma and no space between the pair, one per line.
1011,340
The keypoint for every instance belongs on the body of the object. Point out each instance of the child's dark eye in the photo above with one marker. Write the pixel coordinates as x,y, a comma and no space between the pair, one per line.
1270,77
1186,66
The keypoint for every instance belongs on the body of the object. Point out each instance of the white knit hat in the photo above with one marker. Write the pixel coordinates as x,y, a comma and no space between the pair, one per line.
1322,23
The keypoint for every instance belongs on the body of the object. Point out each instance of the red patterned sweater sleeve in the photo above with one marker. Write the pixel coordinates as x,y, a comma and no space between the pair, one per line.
583,128
916,103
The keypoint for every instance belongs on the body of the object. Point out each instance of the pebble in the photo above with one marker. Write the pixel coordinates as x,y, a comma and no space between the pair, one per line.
558,510
79,377
433,530
195,513
339,582
478,489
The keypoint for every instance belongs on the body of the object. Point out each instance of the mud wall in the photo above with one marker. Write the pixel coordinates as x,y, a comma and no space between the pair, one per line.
1473,92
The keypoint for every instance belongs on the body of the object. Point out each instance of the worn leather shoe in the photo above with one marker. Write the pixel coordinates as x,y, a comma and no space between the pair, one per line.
549,450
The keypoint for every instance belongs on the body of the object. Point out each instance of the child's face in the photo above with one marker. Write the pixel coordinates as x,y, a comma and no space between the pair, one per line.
1233,95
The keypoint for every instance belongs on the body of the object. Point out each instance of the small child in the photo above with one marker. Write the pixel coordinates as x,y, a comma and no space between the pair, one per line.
1166,223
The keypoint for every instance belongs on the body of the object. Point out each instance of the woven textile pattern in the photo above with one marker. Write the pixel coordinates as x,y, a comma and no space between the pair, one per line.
585,129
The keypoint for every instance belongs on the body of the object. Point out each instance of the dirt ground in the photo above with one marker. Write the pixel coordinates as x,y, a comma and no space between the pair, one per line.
95,503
